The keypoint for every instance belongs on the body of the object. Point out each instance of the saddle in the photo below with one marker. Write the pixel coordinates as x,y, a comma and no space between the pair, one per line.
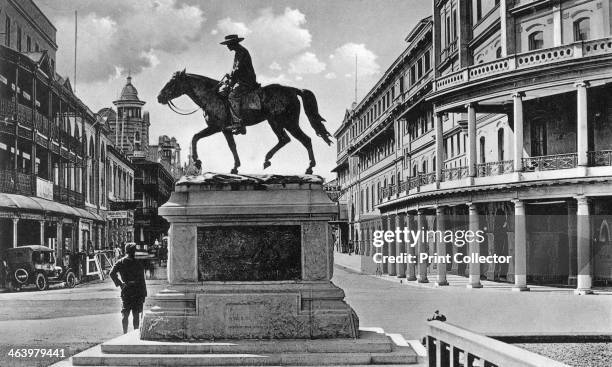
251,100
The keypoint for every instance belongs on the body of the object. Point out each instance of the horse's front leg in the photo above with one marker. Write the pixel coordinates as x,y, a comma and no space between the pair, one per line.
194,143
232,145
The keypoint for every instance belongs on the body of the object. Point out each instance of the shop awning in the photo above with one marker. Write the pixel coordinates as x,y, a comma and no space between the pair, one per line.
20,202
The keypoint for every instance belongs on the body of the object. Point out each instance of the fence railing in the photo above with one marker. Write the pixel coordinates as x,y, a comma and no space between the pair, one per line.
550,162
494,168
16,182
455,173
525,60
600,158
450,345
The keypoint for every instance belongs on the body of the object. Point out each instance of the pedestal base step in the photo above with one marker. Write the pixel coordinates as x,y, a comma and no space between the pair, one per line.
371,349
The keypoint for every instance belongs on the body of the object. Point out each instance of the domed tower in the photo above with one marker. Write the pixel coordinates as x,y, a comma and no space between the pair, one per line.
130,129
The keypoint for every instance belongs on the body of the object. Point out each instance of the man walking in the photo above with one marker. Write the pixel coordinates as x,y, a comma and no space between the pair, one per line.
133,286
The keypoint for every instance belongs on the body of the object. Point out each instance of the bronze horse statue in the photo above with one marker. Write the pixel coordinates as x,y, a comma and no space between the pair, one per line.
279,106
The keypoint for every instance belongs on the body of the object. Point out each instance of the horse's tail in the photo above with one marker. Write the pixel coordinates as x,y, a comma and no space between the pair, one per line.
312,112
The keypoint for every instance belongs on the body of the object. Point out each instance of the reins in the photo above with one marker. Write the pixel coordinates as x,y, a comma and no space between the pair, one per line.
175,109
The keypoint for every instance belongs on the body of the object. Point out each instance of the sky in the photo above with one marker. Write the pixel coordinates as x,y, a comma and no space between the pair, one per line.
307,44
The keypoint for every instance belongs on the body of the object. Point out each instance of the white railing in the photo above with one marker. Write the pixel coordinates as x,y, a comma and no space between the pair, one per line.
450,345
526,60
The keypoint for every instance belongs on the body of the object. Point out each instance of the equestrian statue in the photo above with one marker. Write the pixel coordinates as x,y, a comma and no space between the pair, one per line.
238,101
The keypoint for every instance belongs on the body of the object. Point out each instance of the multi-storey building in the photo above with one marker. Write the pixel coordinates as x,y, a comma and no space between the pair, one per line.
121,203
384,137
168,153
52,146
521,121
153,173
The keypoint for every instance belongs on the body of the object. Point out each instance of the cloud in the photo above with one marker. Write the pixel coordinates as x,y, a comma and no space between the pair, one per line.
279,79
330,76
343,60
306,63
228,26
298,78
275,66
127,38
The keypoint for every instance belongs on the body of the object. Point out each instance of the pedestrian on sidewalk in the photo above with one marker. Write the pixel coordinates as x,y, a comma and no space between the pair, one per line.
133,286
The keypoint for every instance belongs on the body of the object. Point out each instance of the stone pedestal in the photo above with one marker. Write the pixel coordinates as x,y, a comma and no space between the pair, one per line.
249,257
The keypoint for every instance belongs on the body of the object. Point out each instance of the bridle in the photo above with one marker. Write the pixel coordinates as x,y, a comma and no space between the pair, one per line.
176,110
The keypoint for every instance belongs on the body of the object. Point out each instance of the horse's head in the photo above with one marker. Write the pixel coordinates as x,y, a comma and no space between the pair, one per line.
176,87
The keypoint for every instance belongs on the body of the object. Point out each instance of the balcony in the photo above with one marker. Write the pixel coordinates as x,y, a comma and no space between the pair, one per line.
494,168
524,61
145,212
555,167
15,182
550,162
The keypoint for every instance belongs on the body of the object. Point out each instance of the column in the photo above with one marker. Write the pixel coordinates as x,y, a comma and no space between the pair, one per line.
15,221
571,241
58,239
42,232
441,245
385,247
474,271
471,156
391,267
421,248
583,246
557,24
520,247
400,246
518,131
582,128
439,148
410,248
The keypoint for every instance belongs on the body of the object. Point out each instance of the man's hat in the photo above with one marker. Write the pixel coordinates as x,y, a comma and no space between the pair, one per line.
232,38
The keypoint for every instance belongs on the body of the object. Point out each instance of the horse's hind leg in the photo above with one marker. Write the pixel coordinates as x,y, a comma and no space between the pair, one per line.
283,139
232,145
297,133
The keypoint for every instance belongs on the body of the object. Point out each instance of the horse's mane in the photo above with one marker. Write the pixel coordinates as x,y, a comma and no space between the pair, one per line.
210,82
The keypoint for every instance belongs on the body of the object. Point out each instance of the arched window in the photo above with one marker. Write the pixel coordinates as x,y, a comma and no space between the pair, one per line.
500,144
137,136
536,40
582,29
482,149
424,167
498,53
91,147
414,170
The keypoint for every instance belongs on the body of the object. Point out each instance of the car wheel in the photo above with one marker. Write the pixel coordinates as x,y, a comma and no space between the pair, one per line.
41,282
70,280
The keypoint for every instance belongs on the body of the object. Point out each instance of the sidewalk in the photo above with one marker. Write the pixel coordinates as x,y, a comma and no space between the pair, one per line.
352,263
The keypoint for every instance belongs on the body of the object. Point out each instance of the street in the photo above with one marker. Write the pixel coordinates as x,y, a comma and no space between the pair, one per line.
75,319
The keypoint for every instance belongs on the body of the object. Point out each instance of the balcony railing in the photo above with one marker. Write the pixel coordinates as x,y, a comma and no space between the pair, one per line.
15,182
526,60
494,168
550,162
455,173
7,108
427,178
600,158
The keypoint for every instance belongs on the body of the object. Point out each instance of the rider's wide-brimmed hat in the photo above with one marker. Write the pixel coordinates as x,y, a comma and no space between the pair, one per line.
232,38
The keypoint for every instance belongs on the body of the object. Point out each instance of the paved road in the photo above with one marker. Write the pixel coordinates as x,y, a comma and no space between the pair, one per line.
75,319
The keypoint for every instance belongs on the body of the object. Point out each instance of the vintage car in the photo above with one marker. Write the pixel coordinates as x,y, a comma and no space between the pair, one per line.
36,265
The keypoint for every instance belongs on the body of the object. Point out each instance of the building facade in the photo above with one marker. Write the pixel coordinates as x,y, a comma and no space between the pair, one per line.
518,112
52,146
154,165
121,203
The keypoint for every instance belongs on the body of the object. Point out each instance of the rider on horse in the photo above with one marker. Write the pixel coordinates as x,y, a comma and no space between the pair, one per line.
241,80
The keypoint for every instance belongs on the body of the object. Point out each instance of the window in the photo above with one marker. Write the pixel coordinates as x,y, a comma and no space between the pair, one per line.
36,47
482,149
500,144
536,40
447,33
420,68
412,74
582,29
427,59
478,9
454,30
498,53
7,32
28,44
19,38
401,84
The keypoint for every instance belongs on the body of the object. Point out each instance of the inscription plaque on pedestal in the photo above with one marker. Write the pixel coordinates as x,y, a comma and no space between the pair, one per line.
249,253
